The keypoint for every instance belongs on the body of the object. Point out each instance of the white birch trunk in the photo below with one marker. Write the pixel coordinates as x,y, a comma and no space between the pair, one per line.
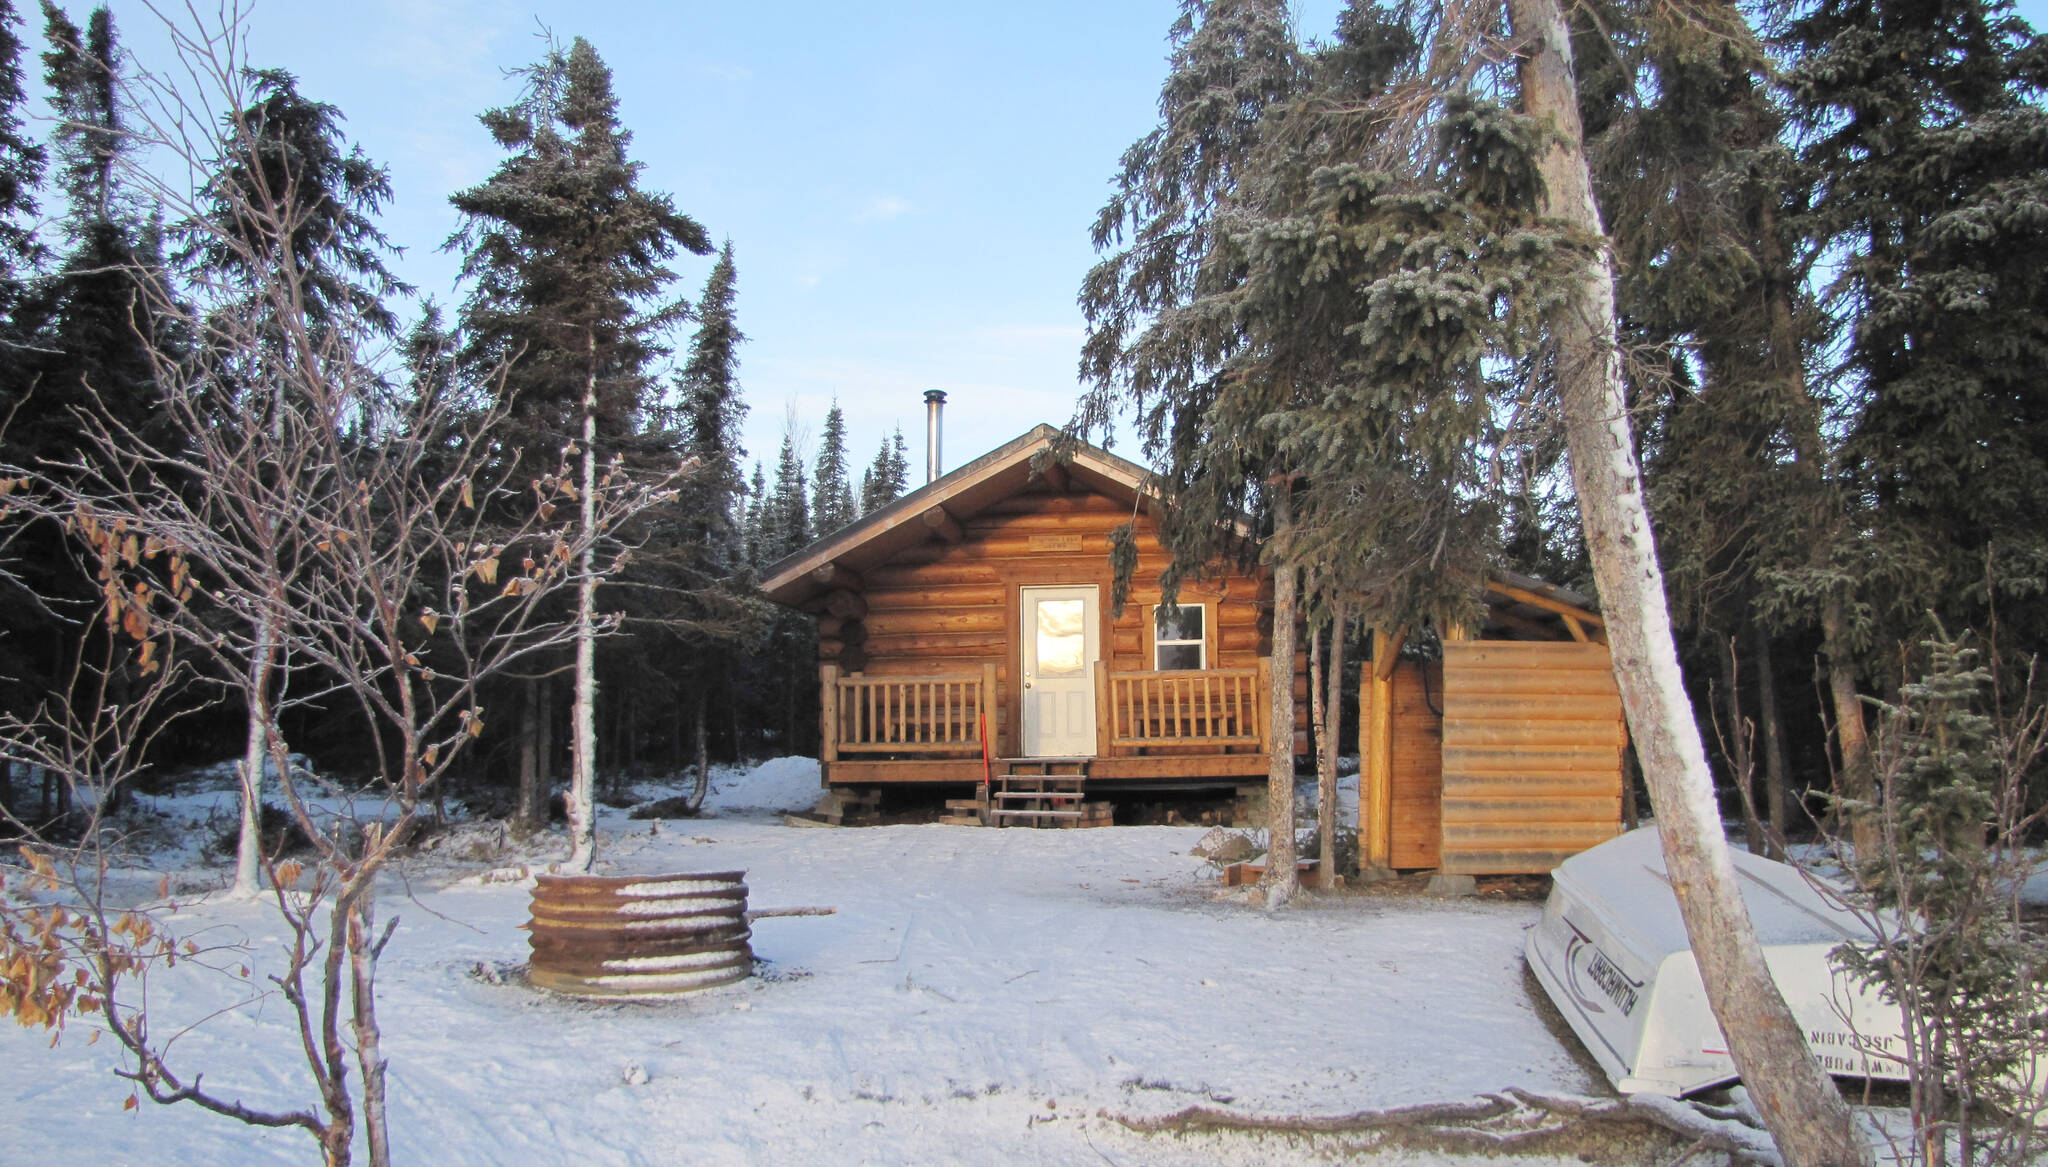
249,847
583,720
1799,1103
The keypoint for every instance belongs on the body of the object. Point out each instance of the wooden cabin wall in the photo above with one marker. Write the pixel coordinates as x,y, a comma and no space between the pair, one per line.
1532,742
952,607
1418,775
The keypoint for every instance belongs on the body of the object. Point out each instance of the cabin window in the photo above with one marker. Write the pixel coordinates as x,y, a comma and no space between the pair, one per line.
1178,640
1062,638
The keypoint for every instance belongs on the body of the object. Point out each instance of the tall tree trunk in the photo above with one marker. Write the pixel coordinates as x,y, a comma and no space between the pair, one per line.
583,723
1333,732
1859,781
544,750
364,947
1772,720
703,752
1741,759
1279,881
249,847
530,805
1799,1103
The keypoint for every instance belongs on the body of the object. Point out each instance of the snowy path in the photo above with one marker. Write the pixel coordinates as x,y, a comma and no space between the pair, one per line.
981,996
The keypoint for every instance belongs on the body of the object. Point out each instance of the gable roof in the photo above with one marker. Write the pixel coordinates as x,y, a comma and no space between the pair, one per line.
879,535
838,559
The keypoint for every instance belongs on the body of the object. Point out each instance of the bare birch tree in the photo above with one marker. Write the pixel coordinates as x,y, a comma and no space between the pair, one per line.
295,512
1799,1103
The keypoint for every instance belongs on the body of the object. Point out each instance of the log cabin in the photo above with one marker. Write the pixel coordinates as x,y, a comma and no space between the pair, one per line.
966,636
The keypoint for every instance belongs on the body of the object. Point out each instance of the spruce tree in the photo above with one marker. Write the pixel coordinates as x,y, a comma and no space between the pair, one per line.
96,324
754,527
568,258
1928,143
786,521
284,159
711,409
23,625
570,298
21,171
885,479
832,494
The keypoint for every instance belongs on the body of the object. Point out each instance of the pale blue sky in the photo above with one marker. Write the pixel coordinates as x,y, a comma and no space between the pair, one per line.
908,186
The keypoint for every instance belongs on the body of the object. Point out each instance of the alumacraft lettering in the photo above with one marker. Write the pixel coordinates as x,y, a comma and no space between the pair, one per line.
1612,982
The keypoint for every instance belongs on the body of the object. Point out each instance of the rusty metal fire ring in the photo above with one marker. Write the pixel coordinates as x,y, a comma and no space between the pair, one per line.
639,936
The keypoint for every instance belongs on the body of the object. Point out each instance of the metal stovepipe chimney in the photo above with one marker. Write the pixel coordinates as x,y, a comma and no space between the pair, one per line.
934,407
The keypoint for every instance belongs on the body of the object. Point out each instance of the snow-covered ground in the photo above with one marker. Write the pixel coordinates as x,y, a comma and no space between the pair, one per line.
980,996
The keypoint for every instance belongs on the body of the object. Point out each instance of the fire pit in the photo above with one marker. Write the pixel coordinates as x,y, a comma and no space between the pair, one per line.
640,935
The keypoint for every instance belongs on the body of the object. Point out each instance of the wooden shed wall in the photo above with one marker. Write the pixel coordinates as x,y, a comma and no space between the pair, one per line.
953,607
1532,741
1418,777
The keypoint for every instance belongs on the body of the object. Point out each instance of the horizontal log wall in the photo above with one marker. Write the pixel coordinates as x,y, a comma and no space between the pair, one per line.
944,608
1532,741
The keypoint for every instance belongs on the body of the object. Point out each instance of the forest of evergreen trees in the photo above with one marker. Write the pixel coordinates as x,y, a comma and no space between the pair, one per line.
1333,267
112,287
1830,248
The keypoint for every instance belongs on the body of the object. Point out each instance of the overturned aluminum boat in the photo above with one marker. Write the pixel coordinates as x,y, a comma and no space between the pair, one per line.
1612,952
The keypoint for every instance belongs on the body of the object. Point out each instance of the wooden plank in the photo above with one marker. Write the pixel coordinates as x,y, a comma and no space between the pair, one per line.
1507,759
1173,766
954,643
828,713
1560,783
895,575
1523,653
1099,522
1490,810
1376,801
1538,600
918,621
1538,732
1539,836
953,596
1034,504
1584,707
1535,683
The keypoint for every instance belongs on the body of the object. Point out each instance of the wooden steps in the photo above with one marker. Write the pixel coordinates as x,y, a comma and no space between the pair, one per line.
1044,792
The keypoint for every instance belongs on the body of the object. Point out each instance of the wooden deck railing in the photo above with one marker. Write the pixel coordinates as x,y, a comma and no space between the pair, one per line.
933,714
1189,707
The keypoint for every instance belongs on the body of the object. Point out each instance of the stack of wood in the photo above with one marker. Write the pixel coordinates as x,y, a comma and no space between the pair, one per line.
968,812
1094,814
850,806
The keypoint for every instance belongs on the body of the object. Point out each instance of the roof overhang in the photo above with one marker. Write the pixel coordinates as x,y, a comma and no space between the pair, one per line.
838,559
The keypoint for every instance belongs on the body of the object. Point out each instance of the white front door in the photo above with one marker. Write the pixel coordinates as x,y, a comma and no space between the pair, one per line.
1062,641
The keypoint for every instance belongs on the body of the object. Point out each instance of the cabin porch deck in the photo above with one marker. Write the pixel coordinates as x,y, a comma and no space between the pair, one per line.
1204,725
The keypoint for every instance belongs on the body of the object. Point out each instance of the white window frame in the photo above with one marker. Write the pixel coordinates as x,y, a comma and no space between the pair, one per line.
1201,642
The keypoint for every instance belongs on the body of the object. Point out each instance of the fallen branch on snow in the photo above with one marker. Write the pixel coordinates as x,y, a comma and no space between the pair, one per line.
1514,1119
